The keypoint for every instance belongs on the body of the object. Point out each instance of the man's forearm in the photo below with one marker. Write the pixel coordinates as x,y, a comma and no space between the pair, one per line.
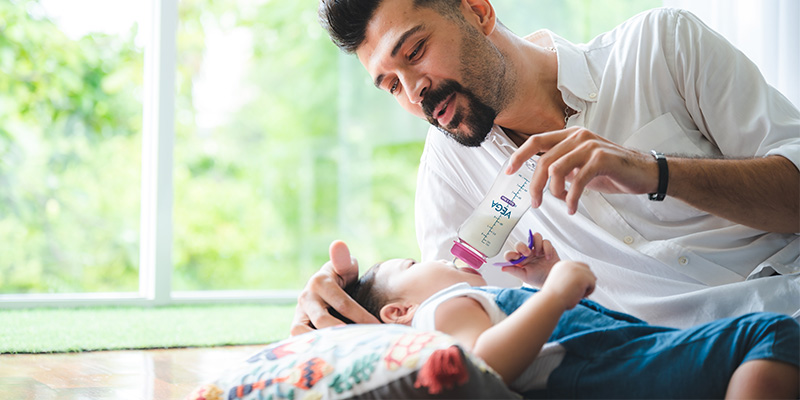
763,193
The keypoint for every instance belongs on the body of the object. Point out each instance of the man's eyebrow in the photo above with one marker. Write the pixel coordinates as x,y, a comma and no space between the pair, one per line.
404,37
396,49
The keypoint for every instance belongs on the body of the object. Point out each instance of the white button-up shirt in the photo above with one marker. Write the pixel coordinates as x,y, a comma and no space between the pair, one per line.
662,80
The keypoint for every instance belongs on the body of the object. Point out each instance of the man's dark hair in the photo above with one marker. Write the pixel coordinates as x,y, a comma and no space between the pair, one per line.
364,292
346,20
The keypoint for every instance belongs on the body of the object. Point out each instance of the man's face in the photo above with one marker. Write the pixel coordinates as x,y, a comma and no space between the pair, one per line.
438,68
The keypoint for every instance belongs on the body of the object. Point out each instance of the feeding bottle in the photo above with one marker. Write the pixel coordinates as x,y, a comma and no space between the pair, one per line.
482,235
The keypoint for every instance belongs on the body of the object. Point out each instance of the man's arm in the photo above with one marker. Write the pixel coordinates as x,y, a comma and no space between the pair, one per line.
325,289
763,193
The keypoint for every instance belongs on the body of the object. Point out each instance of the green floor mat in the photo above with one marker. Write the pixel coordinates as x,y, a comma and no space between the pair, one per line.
50,330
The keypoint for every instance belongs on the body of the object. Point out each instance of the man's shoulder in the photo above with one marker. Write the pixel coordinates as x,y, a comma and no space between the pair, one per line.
662,18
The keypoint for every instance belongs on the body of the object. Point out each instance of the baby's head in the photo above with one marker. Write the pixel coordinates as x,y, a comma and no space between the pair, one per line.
392,290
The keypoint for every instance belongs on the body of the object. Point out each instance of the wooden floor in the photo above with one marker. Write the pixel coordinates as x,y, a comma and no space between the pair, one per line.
118,375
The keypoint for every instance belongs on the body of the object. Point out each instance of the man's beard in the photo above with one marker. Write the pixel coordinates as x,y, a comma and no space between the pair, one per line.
478,120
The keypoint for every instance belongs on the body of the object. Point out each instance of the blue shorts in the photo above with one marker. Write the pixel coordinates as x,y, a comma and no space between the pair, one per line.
688,363
615,355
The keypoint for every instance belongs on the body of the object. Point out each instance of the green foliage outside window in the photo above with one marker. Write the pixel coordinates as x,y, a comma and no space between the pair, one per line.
70,117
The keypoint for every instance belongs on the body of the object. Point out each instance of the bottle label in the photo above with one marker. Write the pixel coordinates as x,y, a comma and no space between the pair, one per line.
489,225
502,210
507,200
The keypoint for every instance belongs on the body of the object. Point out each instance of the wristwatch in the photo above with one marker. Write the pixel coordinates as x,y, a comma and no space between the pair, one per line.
663,177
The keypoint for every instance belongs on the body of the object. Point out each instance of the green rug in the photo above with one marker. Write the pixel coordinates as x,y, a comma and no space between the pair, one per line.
52,330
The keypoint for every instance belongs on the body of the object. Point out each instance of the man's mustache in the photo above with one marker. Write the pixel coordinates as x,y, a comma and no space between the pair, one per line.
435,96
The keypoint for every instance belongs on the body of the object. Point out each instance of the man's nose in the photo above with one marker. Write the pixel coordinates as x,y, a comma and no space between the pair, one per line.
416,89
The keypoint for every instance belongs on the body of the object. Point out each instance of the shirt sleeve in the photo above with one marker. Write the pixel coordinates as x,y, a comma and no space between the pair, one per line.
728,98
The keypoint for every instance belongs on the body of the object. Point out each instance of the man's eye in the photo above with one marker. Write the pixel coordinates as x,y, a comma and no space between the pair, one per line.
416,51
393,88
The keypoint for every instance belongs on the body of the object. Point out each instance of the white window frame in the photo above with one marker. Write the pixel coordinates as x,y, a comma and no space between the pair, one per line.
155,236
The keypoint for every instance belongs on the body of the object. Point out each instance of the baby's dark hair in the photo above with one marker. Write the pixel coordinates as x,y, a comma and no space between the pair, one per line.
364,291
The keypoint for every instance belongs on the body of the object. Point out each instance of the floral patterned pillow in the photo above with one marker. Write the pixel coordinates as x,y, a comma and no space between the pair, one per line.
372,361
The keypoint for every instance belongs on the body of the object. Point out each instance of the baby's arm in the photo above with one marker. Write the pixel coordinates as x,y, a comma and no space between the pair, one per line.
540,259
510,346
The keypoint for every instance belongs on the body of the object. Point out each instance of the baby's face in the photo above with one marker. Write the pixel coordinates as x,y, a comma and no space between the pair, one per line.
405,278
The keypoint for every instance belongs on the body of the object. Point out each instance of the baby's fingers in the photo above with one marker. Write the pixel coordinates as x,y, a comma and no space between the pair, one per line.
549,251
516,272
538,244
522,249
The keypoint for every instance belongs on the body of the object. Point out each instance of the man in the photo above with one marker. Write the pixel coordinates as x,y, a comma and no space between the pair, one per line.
707,231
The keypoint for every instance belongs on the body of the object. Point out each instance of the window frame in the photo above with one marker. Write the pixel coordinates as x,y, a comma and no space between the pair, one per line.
156,224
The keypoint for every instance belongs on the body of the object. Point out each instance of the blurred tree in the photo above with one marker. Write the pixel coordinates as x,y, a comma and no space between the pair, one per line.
70,117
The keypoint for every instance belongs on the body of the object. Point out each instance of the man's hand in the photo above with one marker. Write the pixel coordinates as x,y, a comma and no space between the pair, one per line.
324,289
569,282
586,160
540,259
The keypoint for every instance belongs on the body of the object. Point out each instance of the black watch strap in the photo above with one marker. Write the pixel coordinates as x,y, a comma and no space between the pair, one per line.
663,177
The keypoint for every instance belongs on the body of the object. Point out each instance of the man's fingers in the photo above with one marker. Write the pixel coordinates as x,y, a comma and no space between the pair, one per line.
299,330
344,265
300,323
321,293
350,309
325,290
534,145
312,312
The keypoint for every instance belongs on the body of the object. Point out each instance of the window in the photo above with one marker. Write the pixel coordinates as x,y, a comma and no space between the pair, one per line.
203,150
70,147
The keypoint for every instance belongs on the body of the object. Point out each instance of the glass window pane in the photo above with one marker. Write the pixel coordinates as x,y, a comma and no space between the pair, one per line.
70,122
256,145
575,20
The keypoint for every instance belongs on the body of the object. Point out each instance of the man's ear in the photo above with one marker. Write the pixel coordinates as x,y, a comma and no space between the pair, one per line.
482,13
398,313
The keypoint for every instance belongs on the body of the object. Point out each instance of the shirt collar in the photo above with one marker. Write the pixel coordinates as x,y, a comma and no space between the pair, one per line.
574,78
498,144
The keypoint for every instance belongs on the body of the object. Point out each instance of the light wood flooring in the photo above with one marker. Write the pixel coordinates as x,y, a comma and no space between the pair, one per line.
119,375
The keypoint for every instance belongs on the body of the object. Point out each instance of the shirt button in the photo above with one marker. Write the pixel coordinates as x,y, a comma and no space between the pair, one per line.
627,239
683,260
592,95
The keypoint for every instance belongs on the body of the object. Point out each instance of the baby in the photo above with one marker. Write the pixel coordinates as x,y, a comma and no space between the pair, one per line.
552,342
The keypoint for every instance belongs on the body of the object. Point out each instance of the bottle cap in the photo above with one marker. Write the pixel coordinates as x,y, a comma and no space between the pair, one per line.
472,257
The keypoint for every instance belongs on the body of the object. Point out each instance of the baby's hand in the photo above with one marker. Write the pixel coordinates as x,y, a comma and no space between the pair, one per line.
540,259
570,281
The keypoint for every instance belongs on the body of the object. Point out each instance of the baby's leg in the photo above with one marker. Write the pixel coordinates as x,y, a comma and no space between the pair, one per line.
764,379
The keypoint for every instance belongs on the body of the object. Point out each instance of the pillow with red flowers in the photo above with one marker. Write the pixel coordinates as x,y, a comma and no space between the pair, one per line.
372,360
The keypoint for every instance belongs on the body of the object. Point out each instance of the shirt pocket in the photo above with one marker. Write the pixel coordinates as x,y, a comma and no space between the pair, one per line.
664,135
